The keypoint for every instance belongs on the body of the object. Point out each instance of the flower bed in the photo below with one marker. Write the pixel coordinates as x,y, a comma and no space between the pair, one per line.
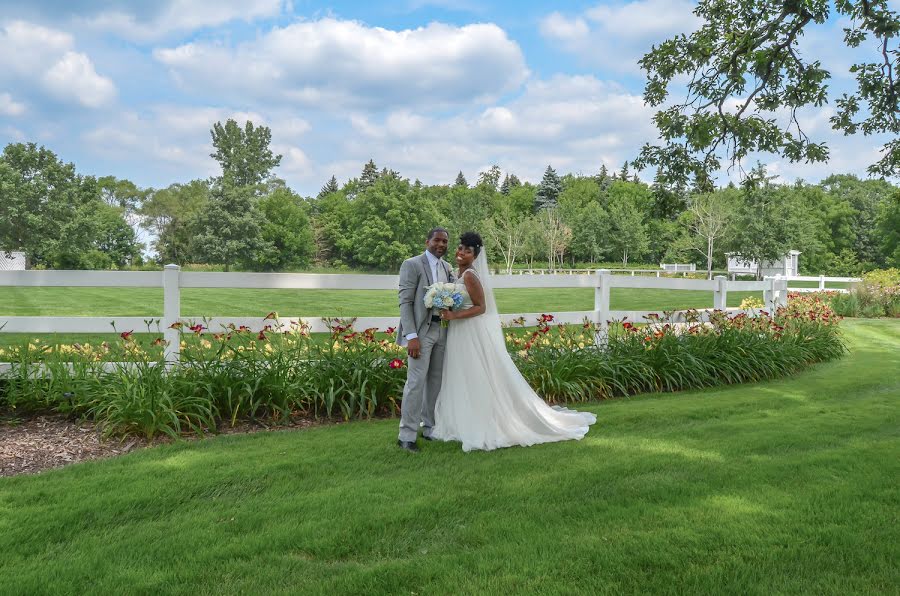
280,374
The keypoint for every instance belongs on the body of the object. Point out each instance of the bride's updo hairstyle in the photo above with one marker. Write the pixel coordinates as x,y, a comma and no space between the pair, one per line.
472,240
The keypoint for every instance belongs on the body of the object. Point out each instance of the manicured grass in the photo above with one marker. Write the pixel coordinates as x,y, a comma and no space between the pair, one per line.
780,487
197,302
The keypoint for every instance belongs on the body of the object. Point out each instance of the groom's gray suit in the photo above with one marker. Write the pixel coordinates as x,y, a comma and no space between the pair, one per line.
423,375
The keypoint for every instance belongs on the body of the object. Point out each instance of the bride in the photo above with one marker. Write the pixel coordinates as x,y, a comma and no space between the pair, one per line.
484,401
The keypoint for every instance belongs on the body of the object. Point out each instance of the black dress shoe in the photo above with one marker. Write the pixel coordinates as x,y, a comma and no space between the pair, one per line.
408,446
427,438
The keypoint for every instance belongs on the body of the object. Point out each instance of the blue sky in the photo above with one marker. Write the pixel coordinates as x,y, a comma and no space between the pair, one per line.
427,88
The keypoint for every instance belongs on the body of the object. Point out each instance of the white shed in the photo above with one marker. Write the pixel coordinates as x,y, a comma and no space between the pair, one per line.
787,266
12,261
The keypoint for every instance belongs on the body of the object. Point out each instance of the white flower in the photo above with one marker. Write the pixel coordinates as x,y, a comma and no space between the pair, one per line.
448,301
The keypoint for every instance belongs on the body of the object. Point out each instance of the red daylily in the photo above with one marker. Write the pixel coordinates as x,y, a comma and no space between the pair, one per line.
396,363
126,335
198,328
272,315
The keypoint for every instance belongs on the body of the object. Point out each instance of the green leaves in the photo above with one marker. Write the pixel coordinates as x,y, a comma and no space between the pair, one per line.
744,62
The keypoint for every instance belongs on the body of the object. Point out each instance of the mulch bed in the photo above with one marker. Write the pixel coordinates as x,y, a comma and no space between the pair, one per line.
35,444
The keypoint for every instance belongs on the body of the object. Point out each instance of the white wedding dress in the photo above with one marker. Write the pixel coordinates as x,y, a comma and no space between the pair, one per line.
484,401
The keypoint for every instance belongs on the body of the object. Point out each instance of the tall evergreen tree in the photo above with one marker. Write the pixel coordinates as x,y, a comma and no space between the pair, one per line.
504,187
547,194
329,187
369,175
461,180
623,174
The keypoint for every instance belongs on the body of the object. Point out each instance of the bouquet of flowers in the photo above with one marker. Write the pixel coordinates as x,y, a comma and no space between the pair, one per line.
442,296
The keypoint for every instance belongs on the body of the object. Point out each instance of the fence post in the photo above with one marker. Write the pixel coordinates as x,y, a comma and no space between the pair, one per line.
821,282
171,311
782,288
770,297
720,293
601,302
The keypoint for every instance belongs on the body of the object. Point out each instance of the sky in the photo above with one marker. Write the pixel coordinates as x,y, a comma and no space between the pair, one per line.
424,87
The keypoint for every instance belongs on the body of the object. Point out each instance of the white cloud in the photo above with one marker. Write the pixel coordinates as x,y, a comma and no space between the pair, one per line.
570,32
9,106
179,16
575,123
34,55
616,36
177,139
332,65
73,76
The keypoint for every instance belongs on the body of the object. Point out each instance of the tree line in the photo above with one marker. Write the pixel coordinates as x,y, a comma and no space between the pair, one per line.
248,219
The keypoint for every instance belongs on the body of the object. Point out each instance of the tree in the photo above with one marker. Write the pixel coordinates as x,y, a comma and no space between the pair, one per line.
556,236
461,181
168,214
491,178
889,229
229,228
505,233
369,175
113,236
244,154
287,230
743,68
329,187
865,197
628,234
668,202
548,190
762,233
123,194
623,174
466,209
388,224
707,220
44,205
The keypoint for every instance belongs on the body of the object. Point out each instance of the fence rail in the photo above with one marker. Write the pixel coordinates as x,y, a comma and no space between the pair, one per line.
172,280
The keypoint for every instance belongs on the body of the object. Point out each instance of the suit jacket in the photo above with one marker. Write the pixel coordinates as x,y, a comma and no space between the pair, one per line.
415,277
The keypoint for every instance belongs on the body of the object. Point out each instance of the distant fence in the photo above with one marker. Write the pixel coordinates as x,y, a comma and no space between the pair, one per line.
822,280
172,280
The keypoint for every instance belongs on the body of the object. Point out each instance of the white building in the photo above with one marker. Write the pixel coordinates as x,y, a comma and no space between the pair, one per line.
788,266
12,261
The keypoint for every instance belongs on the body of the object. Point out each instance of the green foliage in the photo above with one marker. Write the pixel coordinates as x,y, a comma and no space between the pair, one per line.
287,230
878,295
749,50
169,214
387,224
763,232
229,228
888,229
547,194
244,154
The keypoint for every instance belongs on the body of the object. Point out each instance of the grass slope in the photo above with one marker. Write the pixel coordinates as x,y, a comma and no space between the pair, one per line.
780,487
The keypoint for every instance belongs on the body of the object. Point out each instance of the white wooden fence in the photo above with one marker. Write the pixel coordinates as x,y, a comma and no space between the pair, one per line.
822,280
172,280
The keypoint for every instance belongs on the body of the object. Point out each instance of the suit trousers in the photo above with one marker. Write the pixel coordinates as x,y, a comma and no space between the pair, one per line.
423,383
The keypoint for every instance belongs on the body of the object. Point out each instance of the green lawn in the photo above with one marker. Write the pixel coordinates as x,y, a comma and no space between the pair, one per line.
197,302
780,487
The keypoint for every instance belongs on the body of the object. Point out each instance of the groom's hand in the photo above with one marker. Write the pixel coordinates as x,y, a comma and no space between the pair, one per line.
413,347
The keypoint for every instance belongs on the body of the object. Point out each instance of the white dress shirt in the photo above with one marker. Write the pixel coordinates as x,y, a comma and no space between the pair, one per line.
434,262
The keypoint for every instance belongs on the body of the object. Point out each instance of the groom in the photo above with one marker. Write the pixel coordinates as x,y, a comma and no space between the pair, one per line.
421,332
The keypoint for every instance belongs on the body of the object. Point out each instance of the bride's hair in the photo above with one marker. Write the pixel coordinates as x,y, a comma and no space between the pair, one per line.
472,240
